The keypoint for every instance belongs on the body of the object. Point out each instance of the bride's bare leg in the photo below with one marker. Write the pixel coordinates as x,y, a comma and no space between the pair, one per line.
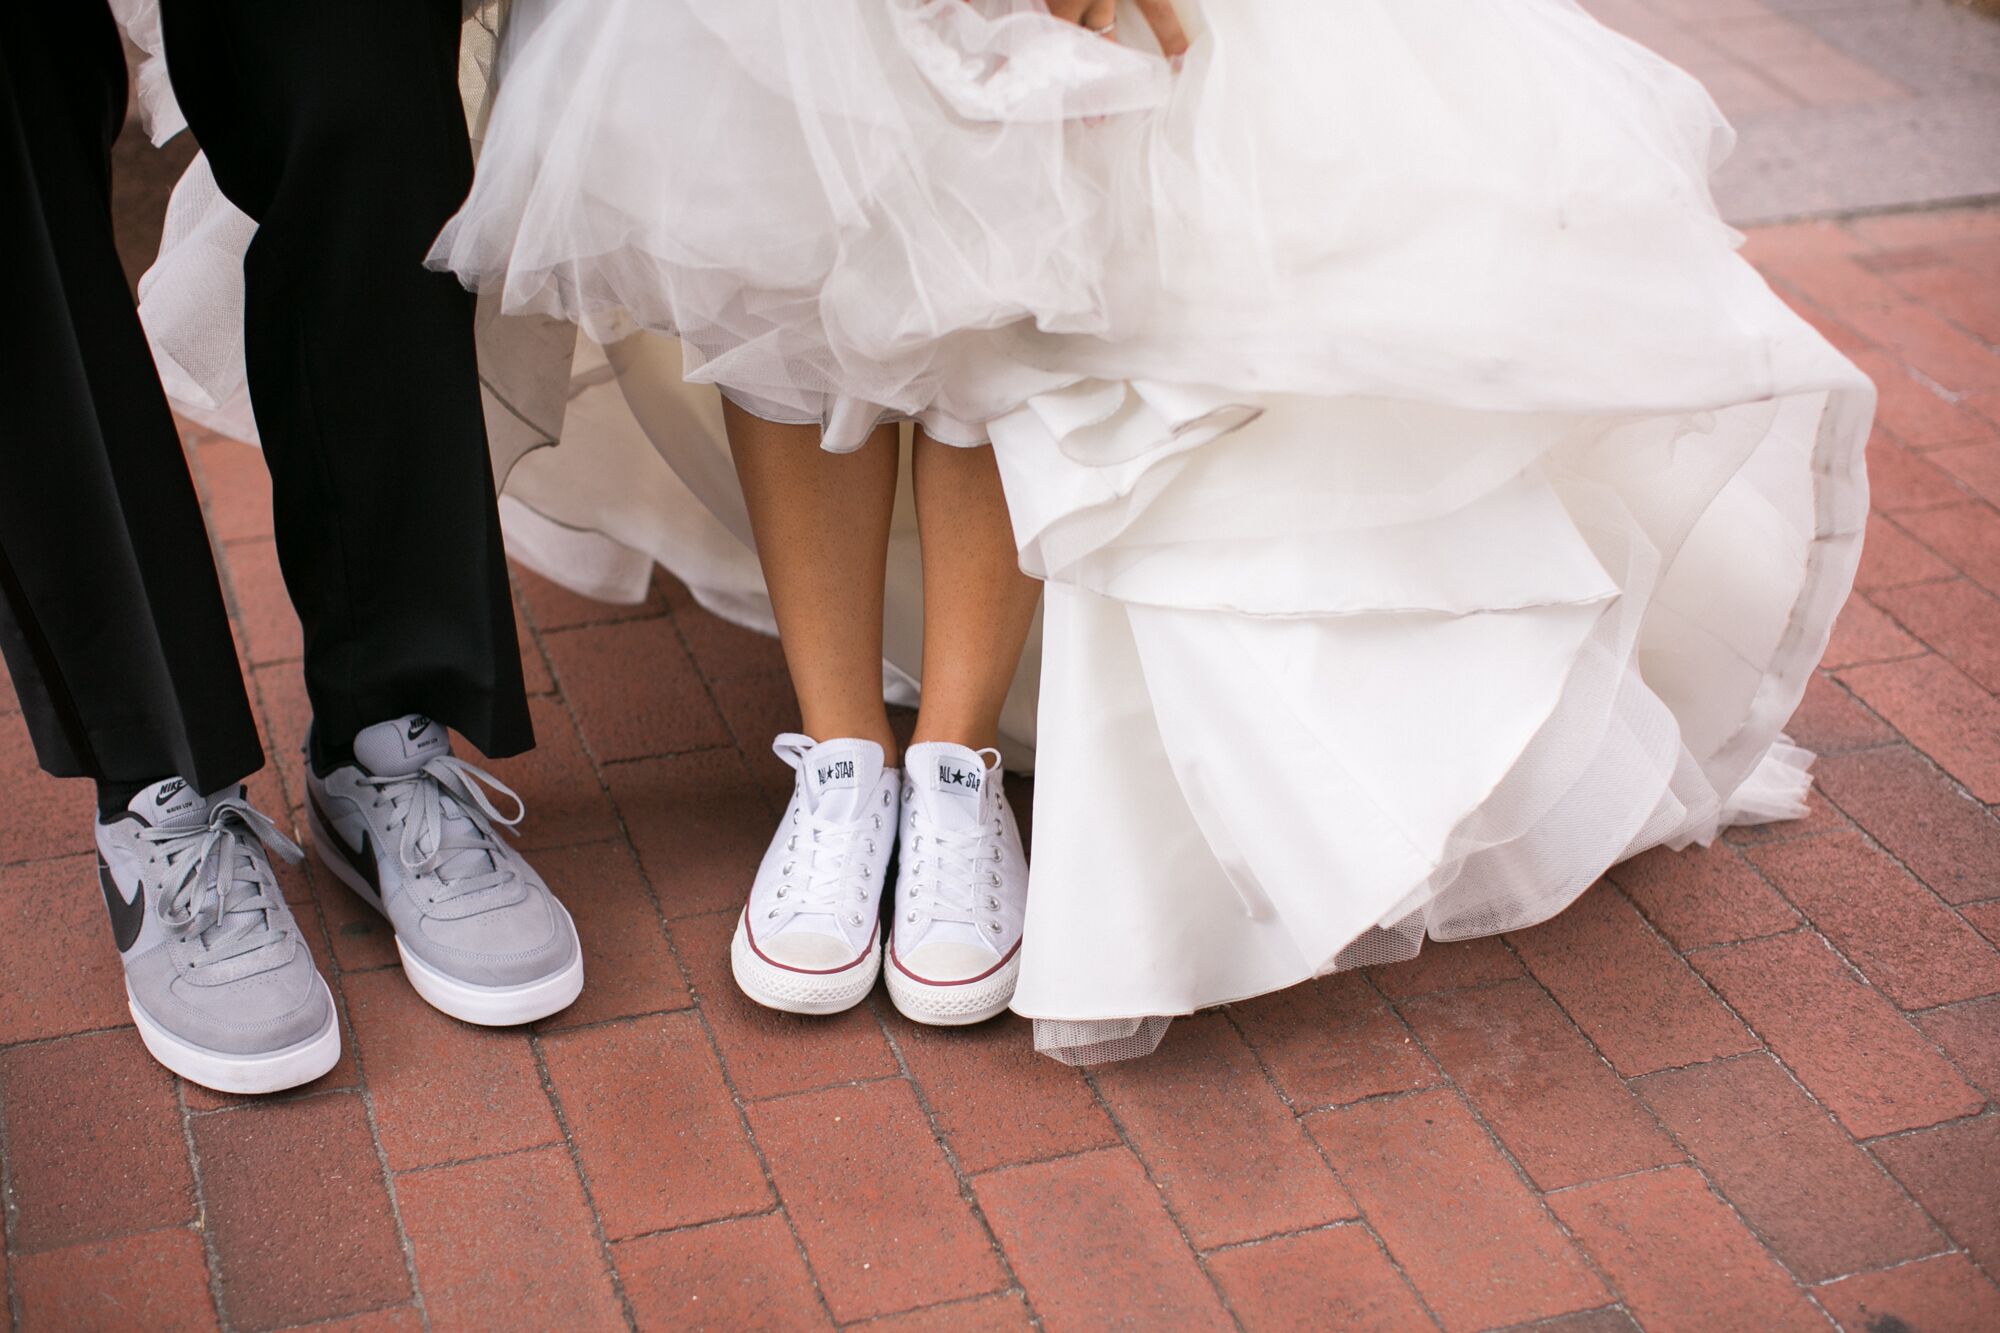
978,604
821,522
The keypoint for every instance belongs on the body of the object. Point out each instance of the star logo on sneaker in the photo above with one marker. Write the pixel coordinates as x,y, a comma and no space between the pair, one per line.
965,779
841,770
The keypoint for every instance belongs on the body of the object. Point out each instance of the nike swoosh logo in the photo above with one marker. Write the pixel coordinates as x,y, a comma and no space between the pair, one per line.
362,861
168,792
418,726
127,918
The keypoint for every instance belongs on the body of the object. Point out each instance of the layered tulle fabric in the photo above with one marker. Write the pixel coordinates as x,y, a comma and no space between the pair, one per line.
1433,508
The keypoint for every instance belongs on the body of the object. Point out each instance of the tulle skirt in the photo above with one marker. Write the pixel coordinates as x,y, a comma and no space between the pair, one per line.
1433,508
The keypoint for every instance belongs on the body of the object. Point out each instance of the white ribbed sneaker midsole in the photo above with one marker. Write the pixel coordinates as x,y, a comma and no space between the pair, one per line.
954,1005
797,992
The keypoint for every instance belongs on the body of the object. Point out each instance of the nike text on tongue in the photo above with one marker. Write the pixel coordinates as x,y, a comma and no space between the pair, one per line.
168,802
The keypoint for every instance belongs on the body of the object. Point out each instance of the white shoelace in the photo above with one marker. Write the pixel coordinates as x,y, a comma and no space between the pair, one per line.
953,878
215,873
832,854
447,790
835,871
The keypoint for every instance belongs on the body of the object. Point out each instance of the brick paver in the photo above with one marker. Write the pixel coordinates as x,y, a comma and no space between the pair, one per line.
1747,1086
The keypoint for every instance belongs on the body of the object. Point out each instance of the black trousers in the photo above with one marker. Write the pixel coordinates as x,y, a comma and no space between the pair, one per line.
340,132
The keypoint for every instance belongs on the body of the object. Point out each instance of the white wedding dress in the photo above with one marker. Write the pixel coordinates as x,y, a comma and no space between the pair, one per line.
1433,508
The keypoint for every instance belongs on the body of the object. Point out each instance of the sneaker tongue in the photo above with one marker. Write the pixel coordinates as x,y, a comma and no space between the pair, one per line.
173,803
399,748
950,783
840,776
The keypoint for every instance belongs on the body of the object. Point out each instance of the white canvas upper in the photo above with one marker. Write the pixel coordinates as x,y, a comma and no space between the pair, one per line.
808,939
961,888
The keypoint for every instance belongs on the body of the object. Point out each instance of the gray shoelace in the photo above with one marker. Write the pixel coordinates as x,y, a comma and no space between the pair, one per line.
448,824
219,890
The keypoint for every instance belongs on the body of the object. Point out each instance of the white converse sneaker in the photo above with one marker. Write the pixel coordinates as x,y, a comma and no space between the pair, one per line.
409,829
809,940
962,890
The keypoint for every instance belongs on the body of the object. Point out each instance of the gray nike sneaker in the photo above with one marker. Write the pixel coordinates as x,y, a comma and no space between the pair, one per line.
219,982
411,829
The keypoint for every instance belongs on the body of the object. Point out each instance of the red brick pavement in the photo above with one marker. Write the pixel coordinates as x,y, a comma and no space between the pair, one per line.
1741,1087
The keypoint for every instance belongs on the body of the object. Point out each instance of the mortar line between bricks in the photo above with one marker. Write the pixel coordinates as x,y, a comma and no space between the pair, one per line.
1479,1119
475,1159
1367,1224
1764,1049
1050,1159
793,1094
687,979
1811,928
211,1256
285,1097
626,760
706,1224
1357,1223
568,1144
1917,635
952,1304
1983,1113
952,1164
325,1320
9,1219
708,689
1948,1005
1955,909
1842,216
403,1242
28,1042
609,1020
1945,1253
1805,926
1687,1158
1166,1204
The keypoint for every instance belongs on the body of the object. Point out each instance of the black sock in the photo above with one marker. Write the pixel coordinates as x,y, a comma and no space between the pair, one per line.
325,755
113,797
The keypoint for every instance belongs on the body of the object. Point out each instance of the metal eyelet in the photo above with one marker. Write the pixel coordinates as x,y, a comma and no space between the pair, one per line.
789,867
784,889
993,926
885,798
854,920
871,846
911,918
771,914
792,843
992,903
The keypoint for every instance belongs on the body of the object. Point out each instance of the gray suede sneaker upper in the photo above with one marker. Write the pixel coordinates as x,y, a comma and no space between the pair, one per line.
211,951
416,824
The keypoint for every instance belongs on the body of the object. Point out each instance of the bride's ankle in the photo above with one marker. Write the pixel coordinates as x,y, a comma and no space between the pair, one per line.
892,749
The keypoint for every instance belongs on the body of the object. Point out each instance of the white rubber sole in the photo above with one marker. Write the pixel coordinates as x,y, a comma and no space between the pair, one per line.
251,1075
957,1005
486,1006
792,992
496,1006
